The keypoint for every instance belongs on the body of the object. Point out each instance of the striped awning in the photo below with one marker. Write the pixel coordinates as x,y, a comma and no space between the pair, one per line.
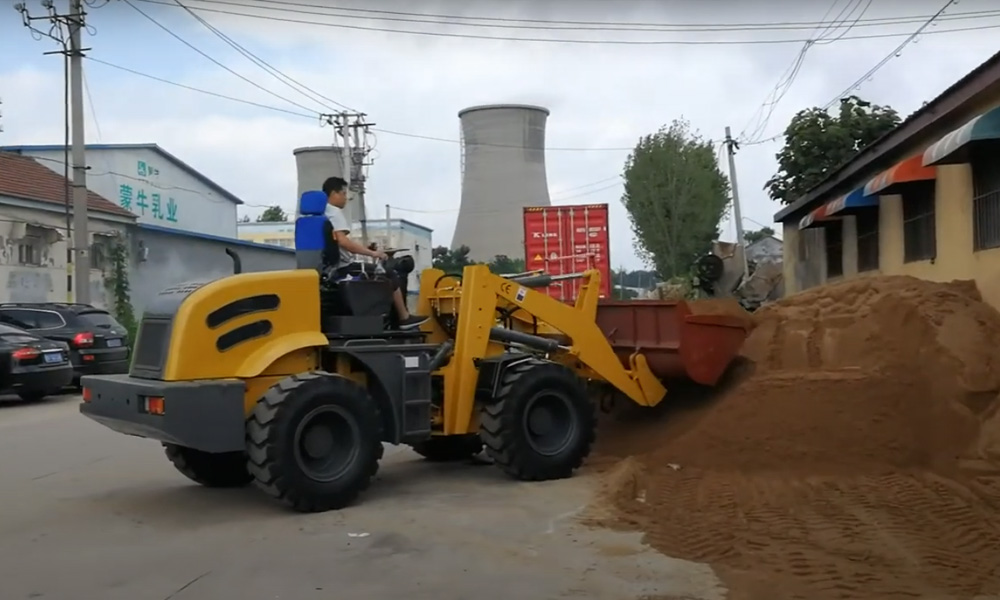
909,170
951,149
829,210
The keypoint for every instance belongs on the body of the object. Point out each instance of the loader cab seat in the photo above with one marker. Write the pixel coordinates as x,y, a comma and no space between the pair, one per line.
354,307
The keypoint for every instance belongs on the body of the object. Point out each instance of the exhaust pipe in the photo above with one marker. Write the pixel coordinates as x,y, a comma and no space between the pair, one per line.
237,263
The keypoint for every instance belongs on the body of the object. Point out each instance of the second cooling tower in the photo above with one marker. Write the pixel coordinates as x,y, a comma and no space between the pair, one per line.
503,170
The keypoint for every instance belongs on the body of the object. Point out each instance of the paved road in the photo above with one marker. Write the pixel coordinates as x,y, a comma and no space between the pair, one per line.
86,514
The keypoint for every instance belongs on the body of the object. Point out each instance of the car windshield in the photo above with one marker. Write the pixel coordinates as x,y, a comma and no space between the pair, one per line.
99,319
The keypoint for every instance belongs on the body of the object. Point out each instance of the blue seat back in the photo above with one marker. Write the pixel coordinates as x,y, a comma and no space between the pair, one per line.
309,228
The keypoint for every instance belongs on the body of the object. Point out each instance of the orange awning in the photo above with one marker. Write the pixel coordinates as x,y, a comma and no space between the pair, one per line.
911,169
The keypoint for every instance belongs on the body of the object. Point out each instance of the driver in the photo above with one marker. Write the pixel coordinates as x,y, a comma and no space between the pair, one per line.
335,189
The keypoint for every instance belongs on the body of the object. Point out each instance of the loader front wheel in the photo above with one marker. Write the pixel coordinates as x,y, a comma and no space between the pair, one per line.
542,423
314,441
226,470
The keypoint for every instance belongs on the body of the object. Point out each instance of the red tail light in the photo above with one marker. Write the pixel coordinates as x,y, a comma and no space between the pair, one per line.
26,354
83,340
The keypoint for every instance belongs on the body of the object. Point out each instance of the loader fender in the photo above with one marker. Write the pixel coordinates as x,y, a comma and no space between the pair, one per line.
491,372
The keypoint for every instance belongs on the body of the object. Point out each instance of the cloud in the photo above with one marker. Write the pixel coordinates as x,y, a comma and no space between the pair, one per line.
599,95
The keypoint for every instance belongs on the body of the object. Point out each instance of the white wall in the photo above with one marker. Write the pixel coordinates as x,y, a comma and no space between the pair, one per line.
130,177
172,258
33,253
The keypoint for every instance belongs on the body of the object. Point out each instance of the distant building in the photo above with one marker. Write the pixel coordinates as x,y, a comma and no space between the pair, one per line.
183,239
392,233
767,248
33,233
160,189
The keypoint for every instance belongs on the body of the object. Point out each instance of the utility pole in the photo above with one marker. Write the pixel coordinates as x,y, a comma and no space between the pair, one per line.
77,236
81,238
731,147
353,131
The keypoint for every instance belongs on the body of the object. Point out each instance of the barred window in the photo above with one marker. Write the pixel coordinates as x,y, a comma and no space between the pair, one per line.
867,227
919,222
985,202
833,237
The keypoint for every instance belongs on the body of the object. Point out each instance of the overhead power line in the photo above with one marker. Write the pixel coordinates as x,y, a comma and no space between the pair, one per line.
289,81
624,42
878,66
199,51
317,116
569,25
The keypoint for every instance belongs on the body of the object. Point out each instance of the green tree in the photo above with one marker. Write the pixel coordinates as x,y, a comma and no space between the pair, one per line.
272,214
817,142
450,261
756,236
676,196
503,264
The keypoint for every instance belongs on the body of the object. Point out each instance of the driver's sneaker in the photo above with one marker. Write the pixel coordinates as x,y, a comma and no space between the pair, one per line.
412,322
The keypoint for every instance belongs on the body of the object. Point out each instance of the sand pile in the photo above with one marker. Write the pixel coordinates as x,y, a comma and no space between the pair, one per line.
854,453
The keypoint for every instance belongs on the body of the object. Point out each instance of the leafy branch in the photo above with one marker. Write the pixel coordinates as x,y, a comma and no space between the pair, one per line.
117,283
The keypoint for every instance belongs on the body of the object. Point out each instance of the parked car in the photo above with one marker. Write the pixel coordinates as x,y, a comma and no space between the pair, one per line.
32,366
97,342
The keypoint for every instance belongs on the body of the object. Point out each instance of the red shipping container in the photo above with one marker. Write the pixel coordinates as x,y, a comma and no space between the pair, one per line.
568,239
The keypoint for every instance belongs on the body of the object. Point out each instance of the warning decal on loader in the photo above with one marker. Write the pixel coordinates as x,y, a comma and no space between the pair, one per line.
521,293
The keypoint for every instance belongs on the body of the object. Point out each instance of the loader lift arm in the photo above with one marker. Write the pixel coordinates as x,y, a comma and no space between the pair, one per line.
589,352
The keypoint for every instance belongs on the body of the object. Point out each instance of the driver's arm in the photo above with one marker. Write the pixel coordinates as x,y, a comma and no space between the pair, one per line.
352,246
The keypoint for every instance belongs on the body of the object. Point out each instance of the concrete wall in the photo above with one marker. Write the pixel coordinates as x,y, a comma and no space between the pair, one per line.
134,178
171,258
40,274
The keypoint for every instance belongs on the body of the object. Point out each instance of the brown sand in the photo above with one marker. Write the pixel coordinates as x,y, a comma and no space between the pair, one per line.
854,451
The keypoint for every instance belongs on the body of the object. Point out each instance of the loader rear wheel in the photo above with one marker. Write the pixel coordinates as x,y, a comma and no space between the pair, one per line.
541,424
449,448
225,470
314,441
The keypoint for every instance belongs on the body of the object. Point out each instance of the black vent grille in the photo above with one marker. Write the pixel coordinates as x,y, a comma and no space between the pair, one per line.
151,346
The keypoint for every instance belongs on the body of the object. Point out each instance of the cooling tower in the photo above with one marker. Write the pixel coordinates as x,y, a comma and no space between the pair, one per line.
503,170
314,164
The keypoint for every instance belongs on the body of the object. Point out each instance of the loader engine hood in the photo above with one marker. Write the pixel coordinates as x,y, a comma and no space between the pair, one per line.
153,338
219,329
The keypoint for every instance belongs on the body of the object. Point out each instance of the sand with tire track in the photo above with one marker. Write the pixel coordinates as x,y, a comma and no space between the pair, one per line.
853,452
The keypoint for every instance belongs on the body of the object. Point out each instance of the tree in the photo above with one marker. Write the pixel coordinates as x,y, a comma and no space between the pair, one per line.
505,265
676,196
272,214
755,236
450,261
816,143
245,219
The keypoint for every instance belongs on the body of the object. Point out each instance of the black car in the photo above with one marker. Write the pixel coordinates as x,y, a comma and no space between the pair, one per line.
98,344
32,366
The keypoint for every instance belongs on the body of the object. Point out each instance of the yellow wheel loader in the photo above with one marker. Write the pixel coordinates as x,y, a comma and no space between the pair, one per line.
294,379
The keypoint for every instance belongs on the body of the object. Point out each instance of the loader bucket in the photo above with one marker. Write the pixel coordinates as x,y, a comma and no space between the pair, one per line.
676,342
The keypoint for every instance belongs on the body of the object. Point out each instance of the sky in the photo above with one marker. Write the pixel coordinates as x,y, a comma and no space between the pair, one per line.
715,63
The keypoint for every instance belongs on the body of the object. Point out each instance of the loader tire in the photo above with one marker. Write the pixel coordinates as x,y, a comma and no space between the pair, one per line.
314,441
225,470
449,448
542,423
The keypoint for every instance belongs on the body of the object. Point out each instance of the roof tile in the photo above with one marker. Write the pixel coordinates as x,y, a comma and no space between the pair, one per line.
24,177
